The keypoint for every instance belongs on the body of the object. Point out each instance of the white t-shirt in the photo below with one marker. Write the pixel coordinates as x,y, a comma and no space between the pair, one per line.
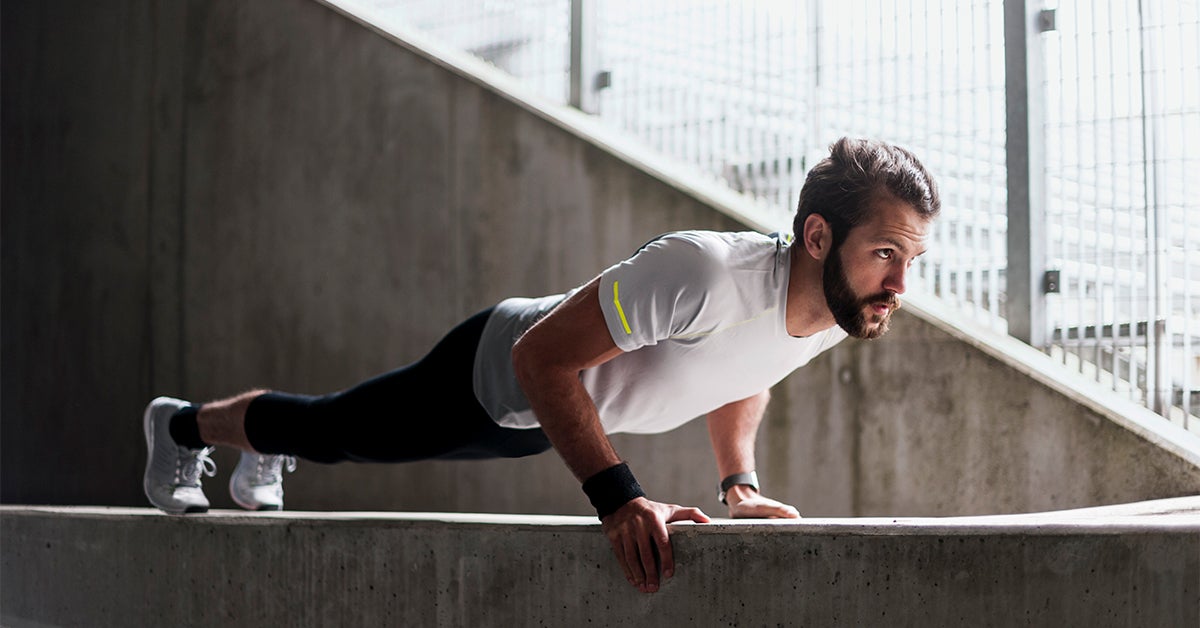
700,317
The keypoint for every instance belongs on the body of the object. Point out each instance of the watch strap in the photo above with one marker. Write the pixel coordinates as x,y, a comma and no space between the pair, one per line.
749,479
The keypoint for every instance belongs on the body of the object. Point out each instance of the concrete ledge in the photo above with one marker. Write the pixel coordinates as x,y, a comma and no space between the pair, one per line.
1129,565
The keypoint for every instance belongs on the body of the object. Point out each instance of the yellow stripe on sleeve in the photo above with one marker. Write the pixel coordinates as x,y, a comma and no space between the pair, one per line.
620,310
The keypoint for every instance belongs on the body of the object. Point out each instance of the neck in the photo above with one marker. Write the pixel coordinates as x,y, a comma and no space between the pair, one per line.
807,312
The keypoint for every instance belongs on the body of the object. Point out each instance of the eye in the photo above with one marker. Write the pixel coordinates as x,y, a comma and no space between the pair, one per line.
884,253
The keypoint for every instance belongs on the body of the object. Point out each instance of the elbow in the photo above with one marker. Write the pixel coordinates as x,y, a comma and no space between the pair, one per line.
536,366
522,361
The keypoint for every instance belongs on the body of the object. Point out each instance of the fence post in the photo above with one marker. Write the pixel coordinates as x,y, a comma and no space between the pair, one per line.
1025,304
1159,387
583,56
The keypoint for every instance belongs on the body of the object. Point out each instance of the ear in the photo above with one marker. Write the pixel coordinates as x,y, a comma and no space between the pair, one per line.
817,237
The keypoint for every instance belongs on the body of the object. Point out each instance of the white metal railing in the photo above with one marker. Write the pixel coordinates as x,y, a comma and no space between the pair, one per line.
752,92
1122,95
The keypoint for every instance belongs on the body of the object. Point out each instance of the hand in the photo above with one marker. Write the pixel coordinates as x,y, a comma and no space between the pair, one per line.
746,503
639,528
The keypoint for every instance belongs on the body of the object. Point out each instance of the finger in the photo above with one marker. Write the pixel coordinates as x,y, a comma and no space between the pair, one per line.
679,513
645,546
769,511
756,508
631,559
790,512
774,509
666,555
619,549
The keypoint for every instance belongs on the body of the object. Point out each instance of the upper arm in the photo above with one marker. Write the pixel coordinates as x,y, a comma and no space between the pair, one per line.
663,291
573,336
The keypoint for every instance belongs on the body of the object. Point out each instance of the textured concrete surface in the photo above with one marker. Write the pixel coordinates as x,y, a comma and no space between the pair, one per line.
135,567
201,197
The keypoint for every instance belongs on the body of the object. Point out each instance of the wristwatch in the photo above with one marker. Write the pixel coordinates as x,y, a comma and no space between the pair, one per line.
749,479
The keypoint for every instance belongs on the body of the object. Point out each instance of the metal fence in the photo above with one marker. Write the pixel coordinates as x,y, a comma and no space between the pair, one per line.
752,92
1122,96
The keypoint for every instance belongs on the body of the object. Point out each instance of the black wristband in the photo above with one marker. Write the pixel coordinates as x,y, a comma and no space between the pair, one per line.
612,488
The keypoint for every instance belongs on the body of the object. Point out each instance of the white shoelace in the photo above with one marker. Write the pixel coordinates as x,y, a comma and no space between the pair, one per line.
270,469
188,473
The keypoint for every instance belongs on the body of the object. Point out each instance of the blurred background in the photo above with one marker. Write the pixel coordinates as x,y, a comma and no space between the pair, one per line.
204,196
752,93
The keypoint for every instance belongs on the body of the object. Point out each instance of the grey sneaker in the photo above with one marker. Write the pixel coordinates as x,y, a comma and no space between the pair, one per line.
257,482
172,480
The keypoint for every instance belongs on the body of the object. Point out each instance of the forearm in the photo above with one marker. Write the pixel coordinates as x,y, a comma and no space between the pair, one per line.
547,362
569,418
732,429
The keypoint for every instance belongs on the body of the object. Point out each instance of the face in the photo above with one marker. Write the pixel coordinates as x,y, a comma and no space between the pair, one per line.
864,277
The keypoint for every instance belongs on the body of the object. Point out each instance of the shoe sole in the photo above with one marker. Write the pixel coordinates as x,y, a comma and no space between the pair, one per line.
252,506
244,506
149,433
248,506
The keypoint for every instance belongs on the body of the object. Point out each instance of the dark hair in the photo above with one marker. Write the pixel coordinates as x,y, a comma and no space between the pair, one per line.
841,186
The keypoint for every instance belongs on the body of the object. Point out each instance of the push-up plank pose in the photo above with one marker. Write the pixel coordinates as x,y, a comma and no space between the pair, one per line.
695,323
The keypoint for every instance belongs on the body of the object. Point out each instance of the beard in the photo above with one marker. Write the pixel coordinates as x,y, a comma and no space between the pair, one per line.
850,310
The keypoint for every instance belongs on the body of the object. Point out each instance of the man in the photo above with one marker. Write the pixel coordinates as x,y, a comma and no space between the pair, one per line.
694,323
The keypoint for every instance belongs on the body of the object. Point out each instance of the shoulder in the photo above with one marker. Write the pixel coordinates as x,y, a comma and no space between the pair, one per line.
717,247
687,259
714,241
691,259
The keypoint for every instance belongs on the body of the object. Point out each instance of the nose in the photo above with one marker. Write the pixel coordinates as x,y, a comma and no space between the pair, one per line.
896,279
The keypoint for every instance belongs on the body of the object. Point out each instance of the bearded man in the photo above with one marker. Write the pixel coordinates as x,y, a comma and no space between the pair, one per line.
695,323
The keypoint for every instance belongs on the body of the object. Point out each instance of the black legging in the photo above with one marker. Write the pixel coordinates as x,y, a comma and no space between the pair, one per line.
422,411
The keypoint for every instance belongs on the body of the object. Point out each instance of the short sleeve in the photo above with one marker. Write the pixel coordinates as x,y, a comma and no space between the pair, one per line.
659,292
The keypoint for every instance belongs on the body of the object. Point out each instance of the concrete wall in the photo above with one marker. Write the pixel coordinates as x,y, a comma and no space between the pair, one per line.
201,197
137,567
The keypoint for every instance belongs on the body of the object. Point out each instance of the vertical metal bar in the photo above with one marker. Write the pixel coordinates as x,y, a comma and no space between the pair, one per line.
973,202
671,95
583,56
575,91
949,127
675,113
1024,156
1084,127
1133,303
993,242
1190,241
724,108
737,38
1085,149
754,68
843,92
816,109
1102,112
1111,344
946,257
1157,384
